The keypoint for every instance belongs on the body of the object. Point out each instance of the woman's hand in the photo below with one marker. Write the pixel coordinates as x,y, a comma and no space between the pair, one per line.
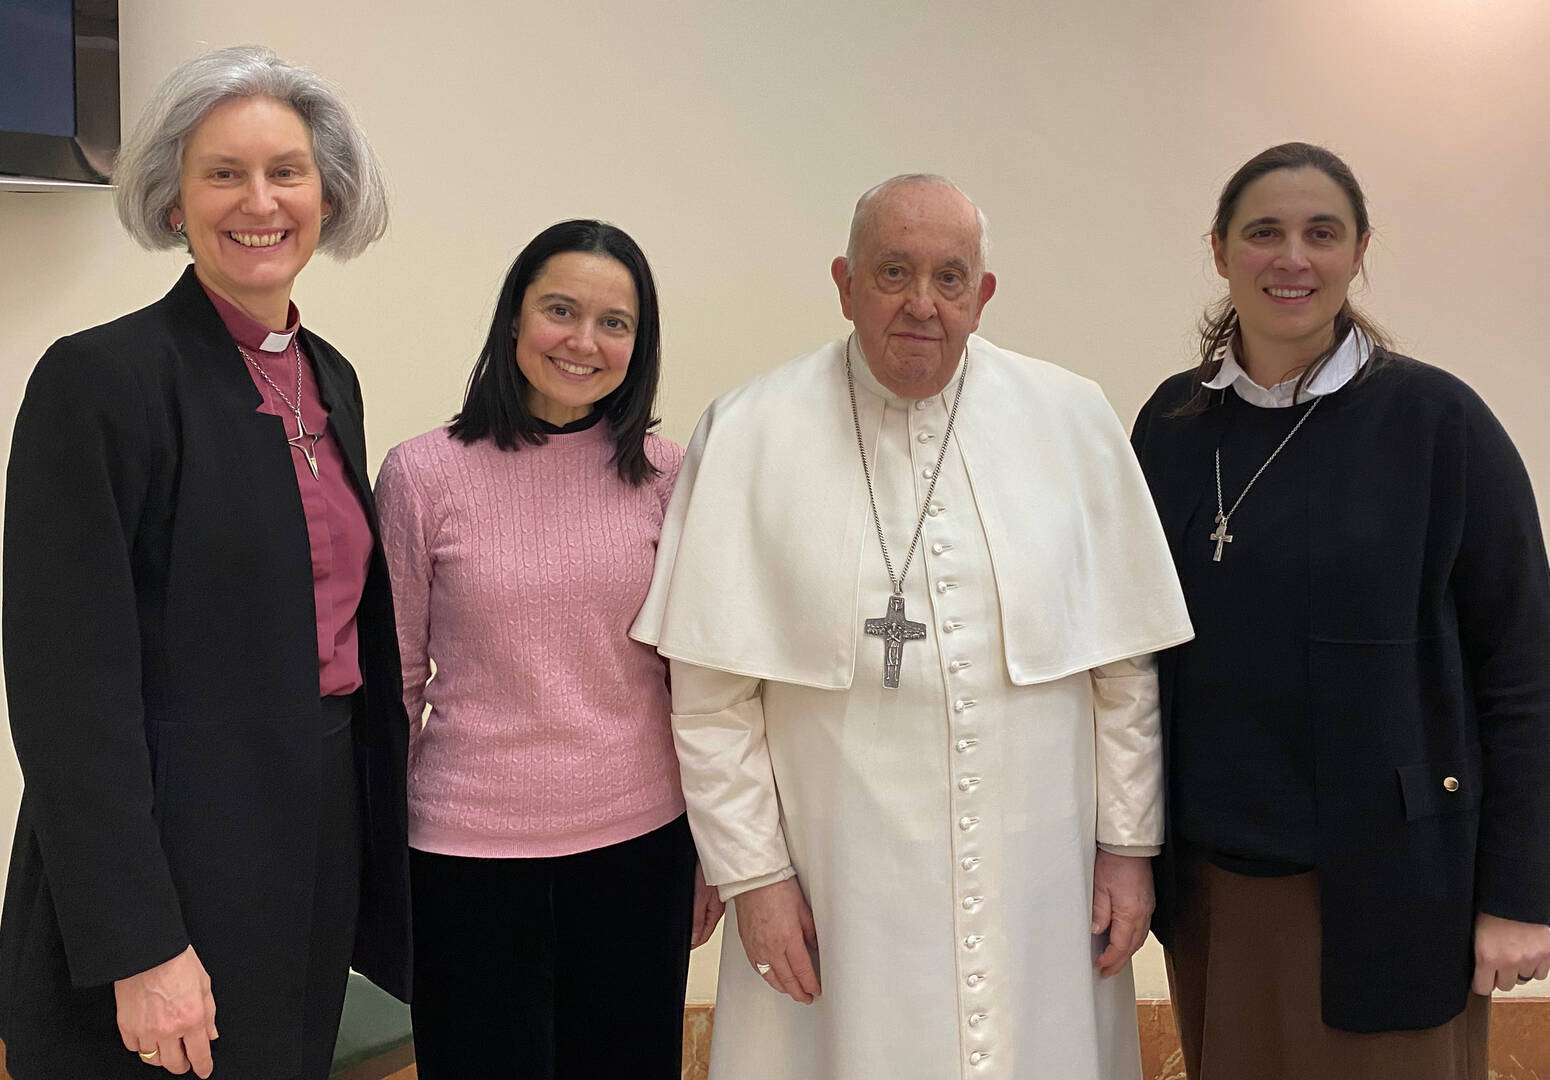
1508,952
166,1014
779,936
708,907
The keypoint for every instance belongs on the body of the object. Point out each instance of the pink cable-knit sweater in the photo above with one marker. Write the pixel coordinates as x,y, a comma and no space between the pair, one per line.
518,574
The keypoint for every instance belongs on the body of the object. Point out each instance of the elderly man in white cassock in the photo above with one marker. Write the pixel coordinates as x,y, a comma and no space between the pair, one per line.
909,585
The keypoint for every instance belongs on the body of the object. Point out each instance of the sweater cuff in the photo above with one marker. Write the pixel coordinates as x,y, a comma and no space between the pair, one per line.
1512,888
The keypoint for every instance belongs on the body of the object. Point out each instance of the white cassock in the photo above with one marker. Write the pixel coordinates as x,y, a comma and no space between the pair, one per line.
943,832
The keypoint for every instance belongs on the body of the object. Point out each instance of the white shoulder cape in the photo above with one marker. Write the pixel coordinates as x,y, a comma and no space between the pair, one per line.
758,565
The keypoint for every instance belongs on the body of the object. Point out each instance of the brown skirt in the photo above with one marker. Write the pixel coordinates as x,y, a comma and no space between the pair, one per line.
1244,976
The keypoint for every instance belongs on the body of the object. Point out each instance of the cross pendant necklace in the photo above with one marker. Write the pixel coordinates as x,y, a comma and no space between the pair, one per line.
1221,536
894,628
305,441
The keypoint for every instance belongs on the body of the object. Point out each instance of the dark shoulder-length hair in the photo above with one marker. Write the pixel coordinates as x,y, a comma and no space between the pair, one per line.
495,406
1219,324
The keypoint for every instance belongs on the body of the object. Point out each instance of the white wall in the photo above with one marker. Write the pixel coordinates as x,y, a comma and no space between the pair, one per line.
731,140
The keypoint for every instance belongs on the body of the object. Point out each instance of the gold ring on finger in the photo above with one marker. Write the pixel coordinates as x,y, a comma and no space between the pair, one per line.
149,1056
762,969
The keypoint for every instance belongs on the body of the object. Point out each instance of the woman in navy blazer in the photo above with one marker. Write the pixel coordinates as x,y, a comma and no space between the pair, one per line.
1358,738
200,656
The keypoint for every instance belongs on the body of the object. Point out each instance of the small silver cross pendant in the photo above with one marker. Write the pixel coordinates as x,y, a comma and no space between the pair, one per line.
307,442
1221,536
895,630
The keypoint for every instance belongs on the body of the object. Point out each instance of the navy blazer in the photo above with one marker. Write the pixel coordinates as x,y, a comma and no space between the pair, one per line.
161,668
1428,658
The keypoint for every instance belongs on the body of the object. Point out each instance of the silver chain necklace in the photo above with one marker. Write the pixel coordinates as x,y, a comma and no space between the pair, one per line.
894,628
305,441
1221,535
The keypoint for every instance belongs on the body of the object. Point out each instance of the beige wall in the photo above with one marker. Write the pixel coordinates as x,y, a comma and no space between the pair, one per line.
731,139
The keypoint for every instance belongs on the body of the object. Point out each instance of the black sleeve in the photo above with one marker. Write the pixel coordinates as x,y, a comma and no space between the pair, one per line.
1501,585
81,463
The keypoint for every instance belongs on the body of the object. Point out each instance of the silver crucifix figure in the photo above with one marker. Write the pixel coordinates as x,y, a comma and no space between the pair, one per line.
895,630
1221,536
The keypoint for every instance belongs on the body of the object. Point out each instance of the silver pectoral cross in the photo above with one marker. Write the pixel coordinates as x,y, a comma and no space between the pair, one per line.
307,442
1221,536
895,630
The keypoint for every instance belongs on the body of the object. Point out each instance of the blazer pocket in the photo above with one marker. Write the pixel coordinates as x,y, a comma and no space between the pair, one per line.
1440,787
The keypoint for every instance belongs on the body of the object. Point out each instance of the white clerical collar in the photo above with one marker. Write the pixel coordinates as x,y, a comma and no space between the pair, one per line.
865,380
1341,369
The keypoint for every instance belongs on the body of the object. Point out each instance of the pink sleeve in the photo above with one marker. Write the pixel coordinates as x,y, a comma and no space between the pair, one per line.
667,456
406,544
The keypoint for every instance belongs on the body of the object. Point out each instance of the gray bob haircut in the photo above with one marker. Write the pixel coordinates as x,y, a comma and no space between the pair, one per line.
150,164
859,219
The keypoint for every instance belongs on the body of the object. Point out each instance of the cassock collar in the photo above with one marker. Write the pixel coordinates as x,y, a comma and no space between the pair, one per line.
1341,369
249,332
865,380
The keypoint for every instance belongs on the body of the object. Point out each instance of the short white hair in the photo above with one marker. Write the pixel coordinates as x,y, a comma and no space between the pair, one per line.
150,163
863,213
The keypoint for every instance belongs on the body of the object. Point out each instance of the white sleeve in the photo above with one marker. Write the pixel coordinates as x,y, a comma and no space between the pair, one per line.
1127,728
734,811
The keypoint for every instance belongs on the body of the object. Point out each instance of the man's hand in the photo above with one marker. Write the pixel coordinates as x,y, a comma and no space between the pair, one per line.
708,907
777,929
168,1013
1507,952
1122,905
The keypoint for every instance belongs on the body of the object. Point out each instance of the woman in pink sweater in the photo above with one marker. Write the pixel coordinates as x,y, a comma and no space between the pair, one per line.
556,891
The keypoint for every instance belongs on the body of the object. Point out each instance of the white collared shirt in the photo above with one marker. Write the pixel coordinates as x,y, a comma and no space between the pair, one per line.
1341,369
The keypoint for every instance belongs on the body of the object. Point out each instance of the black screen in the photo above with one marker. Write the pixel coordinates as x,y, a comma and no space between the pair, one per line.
37,67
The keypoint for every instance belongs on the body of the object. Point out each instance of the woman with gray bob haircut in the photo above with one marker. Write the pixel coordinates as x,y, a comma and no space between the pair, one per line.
147,172
200,654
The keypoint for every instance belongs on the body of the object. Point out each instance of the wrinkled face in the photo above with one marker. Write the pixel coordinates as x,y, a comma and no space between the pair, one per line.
575,333
1290,253
915,291
250,200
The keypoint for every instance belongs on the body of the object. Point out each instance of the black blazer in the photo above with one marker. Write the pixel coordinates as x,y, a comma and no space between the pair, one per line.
161,668
1428,658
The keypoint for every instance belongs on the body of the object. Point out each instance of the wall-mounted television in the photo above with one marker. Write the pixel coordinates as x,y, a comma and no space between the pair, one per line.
58,91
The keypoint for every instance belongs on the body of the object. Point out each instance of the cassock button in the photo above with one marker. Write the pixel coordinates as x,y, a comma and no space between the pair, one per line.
972,902
1451,783
978,1056
937,549
924,437
922,404
976,1019
967,783
975,979
963,745
927,473
967,823
946,586
972,942
969,862
959,665
935,509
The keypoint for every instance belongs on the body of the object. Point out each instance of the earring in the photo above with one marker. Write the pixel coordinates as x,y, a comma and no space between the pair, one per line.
177,227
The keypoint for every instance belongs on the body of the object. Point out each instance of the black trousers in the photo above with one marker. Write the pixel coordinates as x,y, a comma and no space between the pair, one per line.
556,968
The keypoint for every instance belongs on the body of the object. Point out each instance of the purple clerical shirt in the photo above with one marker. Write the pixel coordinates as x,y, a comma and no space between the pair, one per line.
337,530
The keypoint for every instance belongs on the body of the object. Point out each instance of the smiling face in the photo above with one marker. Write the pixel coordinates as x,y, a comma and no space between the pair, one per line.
575,333
915,290
251,203
1291,250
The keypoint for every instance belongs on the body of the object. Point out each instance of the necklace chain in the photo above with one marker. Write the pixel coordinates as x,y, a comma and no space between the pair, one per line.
295,408
1222,514
920,523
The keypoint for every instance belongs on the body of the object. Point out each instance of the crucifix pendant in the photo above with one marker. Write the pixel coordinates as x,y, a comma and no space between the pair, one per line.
895,630
307,442
1221,536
